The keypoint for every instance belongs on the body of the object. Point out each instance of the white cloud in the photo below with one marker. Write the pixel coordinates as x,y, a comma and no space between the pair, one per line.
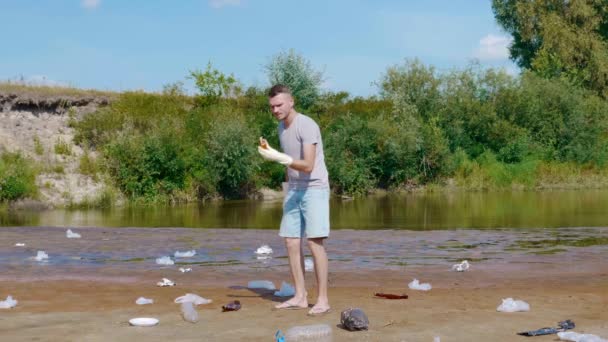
224,3
493,47
90,4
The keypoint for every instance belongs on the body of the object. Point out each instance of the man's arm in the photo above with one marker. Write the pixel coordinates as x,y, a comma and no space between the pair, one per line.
306,164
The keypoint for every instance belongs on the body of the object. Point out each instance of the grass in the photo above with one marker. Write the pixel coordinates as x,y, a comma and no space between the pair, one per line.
62,148
24,88
38,148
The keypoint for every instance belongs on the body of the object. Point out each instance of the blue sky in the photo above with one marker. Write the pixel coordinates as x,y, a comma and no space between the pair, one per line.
136,44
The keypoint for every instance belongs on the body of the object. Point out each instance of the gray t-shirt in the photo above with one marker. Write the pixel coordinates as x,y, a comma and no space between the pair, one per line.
304,130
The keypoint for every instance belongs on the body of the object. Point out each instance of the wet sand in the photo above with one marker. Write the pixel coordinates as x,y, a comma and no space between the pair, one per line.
87,290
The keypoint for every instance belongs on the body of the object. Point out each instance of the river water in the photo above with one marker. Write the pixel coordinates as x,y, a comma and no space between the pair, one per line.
435,211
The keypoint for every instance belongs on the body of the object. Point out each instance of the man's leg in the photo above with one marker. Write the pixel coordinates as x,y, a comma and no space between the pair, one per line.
320,258
294,251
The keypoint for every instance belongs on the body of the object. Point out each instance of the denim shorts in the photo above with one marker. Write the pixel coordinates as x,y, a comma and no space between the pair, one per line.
305,213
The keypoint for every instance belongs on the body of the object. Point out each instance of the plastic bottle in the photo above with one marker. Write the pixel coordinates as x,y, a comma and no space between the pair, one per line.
316,332
189,312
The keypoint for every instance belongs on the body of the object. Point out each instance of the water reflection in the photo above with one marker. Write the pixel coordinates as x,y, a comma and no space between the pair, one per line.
412,211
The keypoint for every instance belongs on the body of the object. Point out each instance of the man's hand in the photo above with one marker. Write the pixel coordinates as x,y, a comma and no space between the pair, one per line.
270,153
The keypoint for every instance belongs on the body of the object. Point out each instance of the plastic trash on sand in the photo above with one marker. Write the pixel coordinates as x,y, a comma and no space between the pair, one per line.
144,301
143,322
8,303
186,254
309,265
463,266
189,312
353,319
185,270
436,339
261,284
315,332
286,290
576,337
19,244
165,282
415,285
41,255
164,261
71,235
264,249
511,305
192,298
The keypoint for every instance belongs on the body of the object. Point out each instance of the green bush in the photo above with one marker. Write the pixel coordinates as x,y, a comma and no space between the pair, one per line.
17,177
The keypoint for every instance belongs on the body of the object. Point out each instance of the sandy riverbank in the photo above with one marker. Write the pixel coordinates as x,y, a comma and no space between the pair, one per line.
72,303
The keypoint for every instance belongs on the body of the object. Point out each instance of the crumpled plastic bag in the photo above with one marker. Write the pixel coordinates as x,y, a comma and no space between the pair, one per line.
353,319
264,249
71,235
165,282
41,255
192,298
463,266
309,265
186,254
8,303
286,290
166,260
144,301
511,305
261,284
415,285
19,244
576,337
185,270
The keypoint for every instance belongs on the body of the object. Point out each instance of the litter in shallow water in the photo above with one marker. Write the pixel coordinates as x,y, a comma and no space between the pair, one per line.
463,266
165,260
71,235
41,255
286,290
264,249
186,254
261,284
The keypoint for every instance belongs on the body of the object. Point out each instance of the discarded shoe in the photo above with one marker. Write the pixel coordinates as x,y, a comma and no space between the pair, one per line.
354,319
232,306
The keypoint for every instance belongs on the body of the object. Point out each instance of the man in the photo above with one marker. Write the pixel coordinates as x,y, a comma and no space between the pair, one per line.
306,204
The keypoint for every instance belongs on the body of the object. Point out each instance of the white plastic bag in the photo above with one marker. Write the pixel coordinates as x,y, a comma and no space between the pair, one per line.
415,285
463,266
41,255
261,284
309,265
264,249
192,298
165,282
576,337
144,301
286,290
186,254
185,270
166,260
511,305
19,244
71,235
8,303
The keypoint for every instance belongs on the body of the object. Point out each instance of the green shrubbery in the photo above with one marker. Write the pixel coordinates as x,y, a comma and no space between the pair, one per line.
480,127
17,177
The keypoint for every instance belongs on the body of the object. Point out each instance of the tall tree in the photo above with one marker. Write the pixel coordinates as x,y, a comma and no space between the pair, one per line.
559,38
